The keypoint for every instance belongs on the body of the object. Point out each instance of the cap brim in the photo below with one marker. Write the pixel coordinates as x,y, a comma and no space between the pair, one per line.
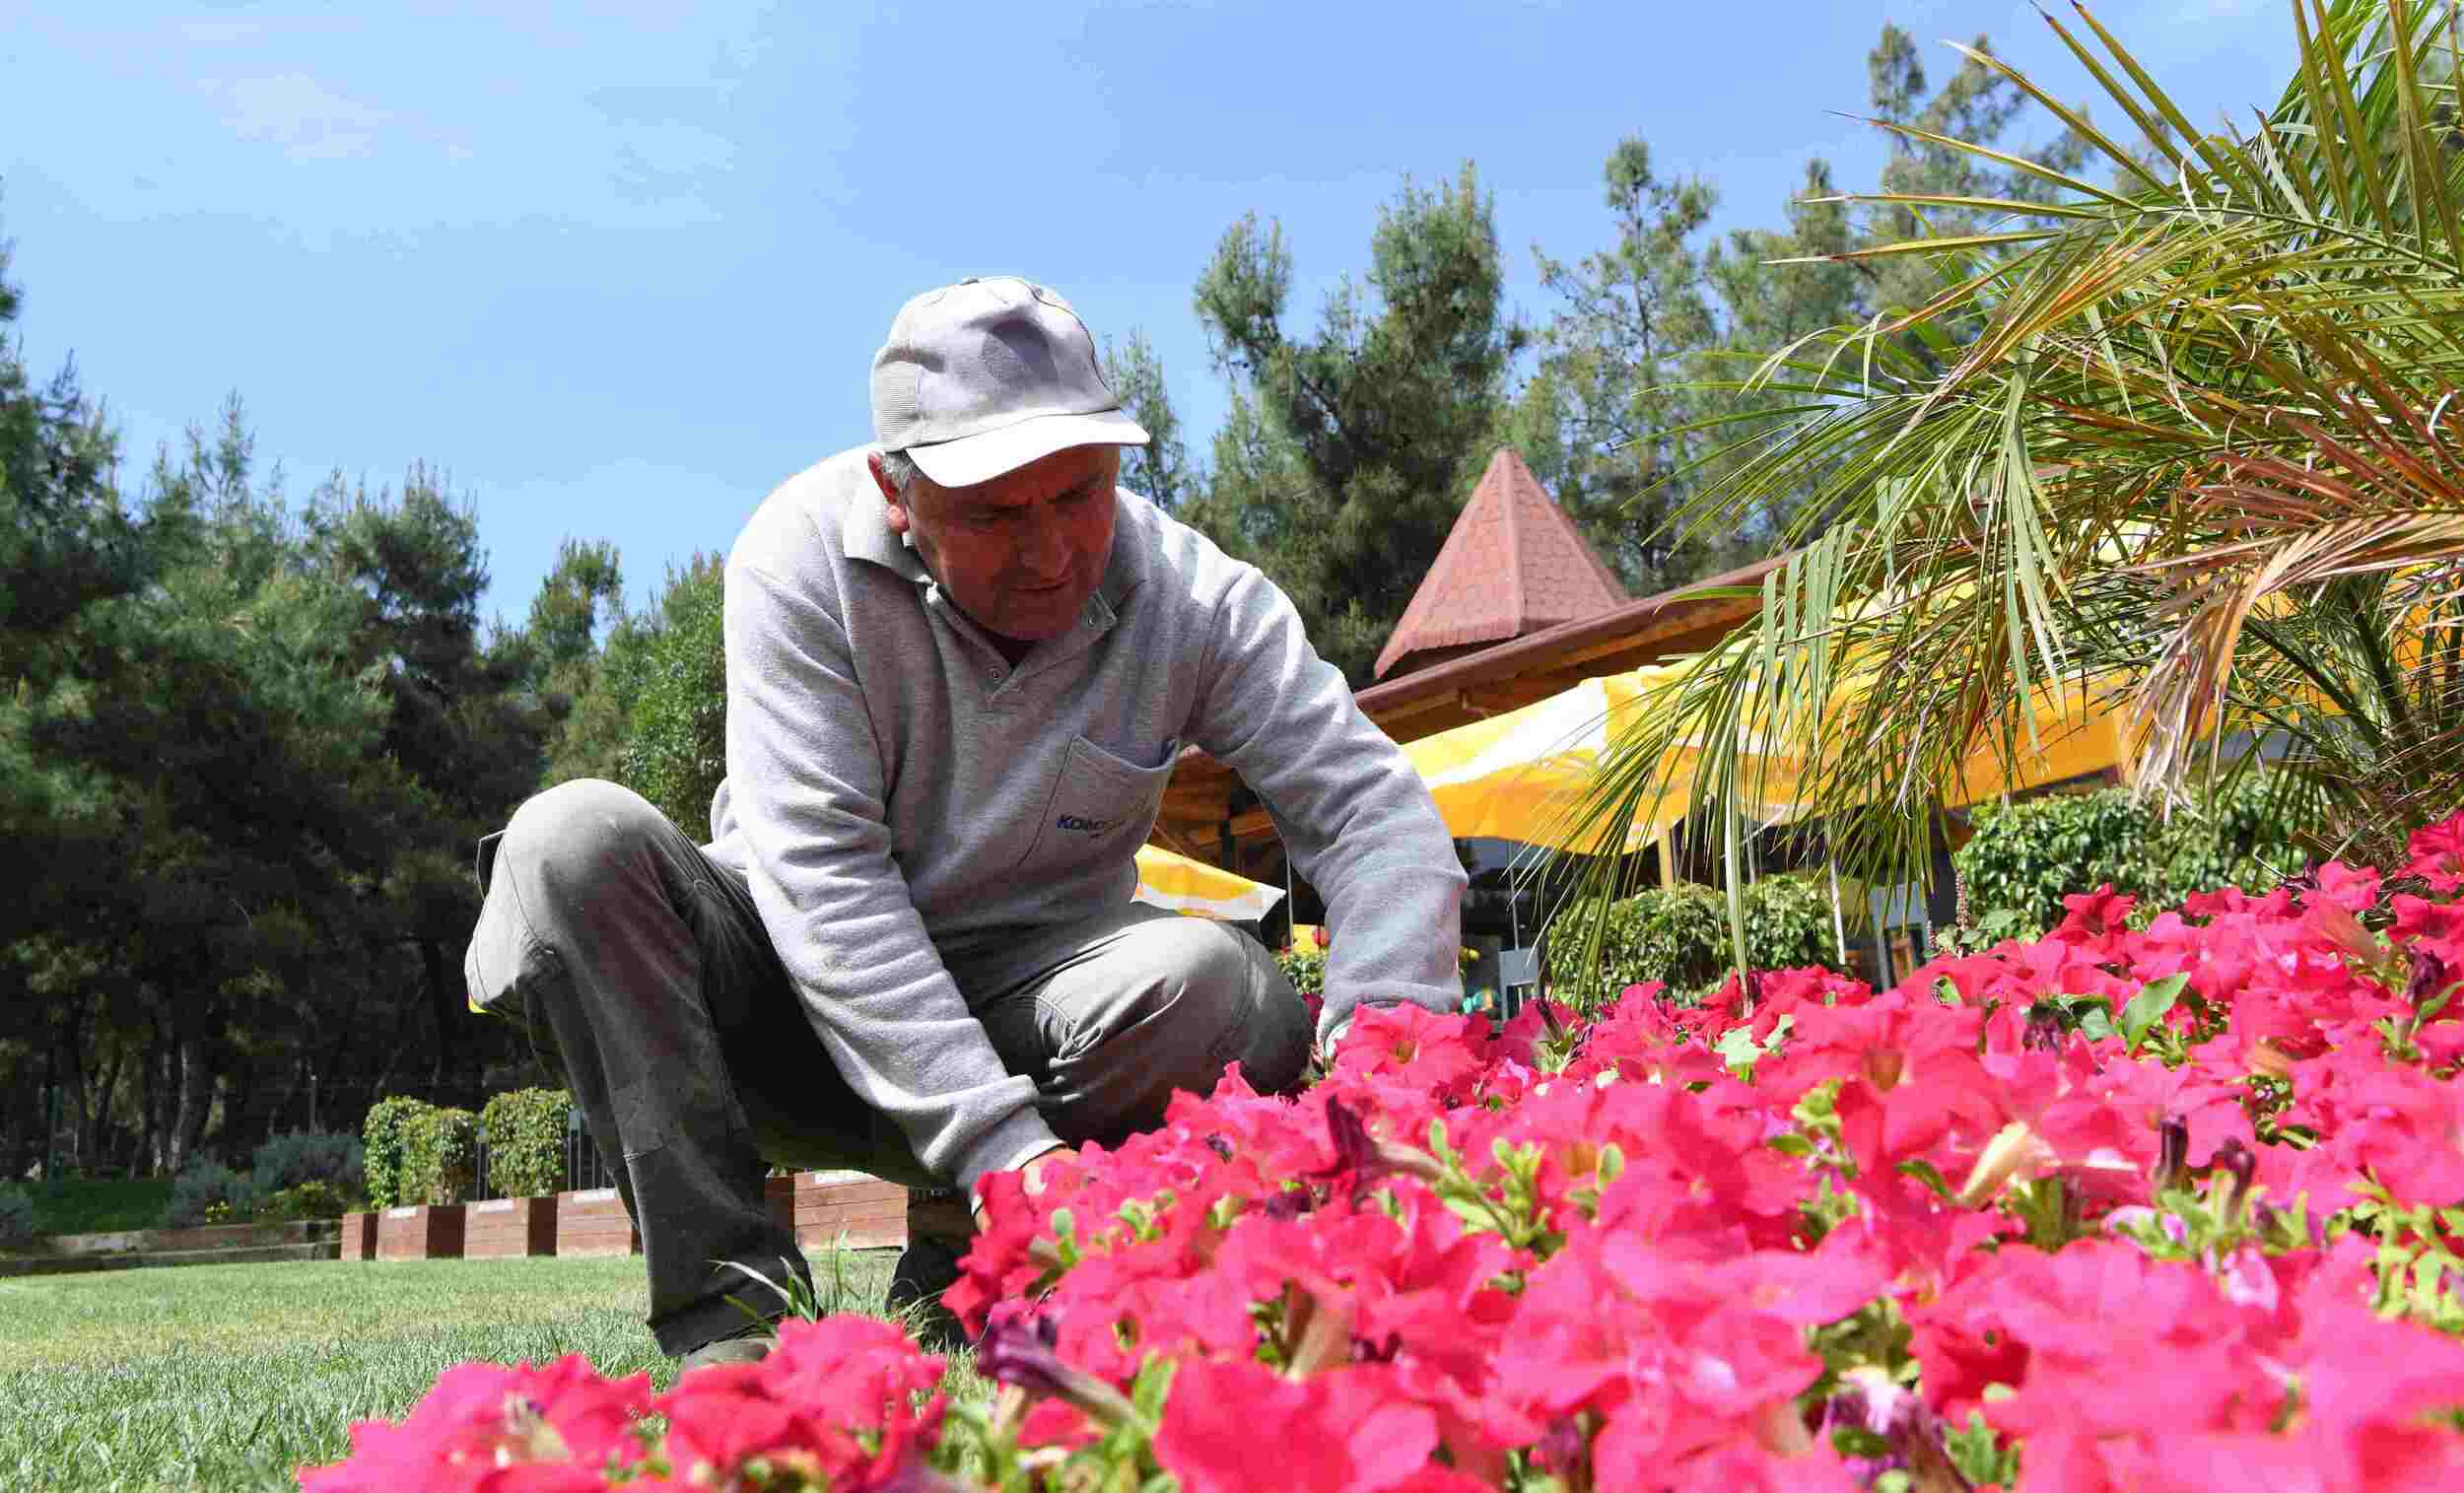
971,459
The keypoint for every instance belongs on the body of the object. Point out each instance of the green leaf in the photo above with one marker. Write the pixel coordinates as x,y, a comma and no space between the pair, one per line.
2148,1006
1926,1173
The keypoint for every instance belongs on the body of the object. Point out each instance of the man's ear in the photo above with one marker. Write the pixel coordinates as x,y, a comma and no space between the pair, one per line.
893,506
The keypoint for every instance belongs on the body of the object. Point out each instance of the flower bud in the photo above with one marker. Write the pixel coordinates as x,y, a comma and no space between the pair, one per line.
1019,1352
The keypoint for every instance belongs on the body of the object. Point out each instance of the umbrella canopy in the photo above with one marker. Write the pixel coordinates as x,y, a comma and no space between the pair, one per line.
1520,774
1169,880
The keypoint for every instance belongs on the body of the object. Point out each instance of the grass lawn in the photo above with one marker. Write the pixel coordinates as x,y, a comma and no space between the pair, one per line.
230,1377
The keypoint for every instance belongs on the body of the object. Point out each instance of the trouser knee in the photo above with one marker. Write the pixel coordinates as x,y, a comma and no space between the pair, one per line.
547,881
1203,999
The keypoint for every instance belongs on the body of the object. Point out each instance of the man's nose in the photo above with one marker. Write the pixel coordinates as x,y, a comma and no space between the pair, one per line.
1046,554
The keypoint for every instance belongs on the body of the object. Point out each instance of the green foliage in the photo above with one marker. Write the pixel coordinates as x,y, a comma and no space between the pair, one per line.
331,1158
1649,332
1160,470
309,1202
203,1186
525,1135
1678,936
388,1138
2020,486
2024,858
679,750
17,1214
440,1155
1305,966
1347,455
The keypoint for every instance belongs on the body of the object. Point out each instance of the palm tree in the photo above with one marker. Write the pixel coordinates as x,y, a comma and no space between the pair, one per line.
2192,441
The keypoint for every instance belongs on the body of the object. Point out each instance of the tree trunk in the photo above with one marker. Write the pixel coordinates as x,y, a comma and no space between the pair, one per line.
196,1099
99,1117
448,1002
154,1100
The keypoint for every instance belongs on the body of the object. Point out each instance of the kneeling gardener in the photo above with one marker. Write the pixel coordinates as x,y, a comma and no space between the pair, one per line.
959,665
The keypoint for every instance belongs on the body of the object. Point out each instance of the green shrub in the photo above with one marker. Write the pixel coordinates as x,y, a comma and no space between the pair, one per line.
386,1133
2023,859
308,1200
525,1133
1305,968
17,1214
207,1191
1678,935
335,1159
439,1156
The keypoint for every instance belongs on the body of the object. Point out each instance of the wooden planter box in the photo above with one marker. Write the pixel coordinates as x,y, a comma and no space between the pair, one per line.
822,1206
505,1228
359,1236
595,1223
420,1233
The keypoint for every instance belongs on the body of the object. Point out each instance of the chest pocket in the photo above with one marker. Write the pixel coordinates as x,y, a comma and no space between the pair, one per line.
1103,807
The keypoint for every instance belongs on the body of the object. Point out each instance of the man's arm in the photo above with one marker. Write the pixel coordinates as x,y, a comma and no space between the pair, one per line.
1357,819
807,786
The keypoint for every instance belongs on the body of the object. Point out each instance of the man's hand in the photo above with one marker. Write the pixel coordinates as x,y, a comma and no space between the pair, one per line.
1032,1173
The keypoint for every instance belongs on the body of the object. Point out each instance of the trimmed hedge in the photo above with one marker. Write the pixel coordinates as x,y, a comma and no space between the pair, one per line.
1678,936
525,1134
1305,968
2023,859
419,1154
384,1137
439,1156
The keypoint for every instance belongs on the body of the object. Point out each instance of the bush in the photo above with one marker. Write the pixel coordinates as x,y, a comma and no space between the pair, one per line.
439,1156
311,1199
525,1133
1678,935
335,1159
17,1214
381,1158
2023,859
208,1192
1305,968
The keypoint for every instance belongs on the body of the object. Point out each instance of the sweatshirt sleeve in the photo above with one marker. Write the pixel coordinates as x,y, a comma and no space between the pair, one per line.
807,786
1357,820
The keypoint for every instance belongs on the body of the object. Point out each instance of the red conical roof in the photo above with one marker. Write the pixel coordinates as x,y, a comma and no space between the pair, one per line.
1513,563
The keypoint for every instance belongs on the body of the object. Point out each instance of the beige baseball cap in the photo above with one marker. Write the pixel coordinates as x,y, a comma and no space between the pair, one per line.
982,377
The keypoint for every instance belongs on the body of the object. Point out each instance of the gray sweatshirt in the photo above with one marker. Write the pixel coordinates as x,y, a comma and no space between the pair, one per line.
895,788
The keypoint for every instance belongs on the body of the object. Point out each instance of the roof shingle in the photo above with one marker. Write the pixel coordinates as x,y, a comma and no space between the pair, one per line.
1513,563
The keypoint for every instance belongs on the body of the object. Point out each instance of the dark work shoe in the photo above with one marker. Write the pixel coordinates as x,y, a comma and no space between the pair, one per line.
939,1231
751,1346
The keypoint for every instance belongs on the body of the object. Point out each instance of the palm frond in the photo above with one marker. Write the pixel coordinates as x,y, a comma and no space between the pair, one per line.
2189,443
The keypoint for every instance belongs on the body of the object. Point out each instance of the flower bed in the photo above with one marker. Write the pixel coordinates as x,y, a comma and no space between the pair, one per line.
2175,1208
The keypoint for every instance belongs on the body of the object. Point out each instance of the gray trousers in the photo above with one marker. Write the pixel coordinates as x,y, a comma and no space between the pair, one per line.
645,975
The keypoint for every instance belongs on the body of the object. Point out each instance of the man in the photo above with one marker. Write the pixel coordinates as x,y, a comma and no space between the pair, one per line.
959,667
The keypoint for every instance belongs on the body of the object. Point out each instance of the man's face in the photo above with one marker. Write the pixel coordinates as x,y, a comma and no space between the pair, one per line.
1022,553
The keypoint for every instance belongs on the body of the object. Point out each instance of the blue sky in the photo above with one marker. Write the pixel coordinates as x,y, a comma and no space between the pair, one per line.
620,269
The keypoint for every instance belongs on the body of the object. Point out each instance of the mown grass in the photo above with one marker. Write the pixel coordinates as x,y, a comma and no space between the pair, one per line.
231,1377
